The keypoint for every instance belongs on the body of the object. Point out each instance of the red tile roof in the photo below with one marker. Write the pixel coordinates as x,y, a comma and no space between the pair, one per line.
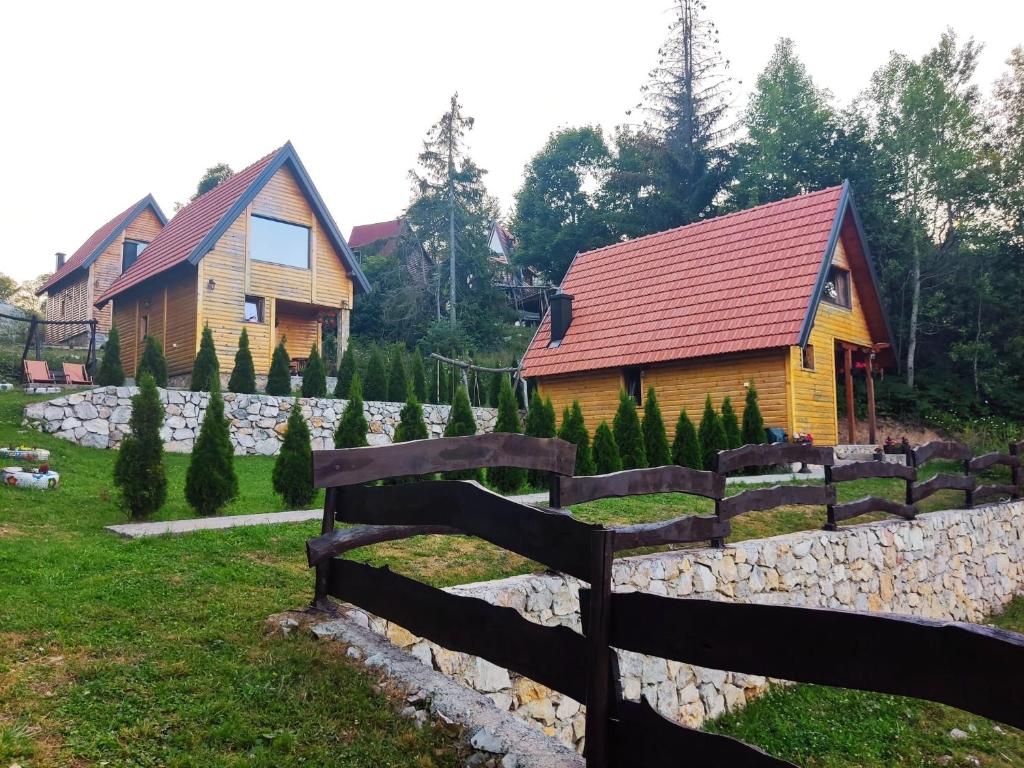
99,240
738,282
364,234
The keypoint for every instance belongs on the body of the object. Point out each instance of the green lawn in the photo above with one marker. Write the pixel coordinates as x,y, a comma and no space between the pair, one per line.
152,652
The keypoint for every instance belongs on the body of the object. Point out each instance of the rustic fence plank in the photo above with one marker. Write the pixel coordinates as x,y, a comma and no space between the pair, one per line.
552,656
777,496
993,489
938,449
343,540
861,470
348,466
941,482
759,455
966,666
681,530
851,509
983,462
633,482
554,538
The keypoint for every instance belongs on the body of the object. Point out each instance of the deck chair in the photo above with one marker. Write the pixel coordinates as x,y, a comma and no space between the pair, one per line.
38,372
75,373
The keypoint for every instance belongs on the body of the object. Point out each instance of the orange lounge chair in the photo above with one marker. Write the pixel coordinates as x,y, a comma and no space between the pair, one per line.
75,373
38,372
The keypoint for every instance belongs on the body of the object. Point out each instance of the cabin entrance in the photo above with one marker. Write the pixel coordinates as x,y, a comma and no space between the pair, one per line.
856,366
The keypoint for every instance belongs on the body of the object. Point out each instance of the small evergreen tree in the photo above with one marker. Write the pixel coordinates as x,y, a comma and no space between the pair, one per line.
494,389
153,362
411,425
206,366
540,422
753,423
279,380
606,452
655,439
352,427
712,435
139,470
346,372
686,446
376,384
507,479
111,372
243,375
628,437
293,469
574,430
419,378
444,384
461,423
210,482
730,424
314,375
398,379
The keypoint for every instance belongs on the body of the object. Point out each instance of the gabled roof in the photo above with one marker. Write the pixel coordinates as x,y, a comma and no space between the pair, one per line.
364,234
745,281
98,242
197,227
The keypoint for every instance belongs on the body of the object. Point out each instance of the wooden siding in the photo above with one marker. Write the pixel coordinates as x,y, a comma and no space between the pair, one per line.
73,298
170,306
597,391
299,329
107,267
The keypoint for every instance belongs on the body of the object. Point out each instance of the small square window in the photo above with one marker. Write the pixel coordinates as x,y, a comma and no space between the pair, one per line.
130,252
837,287
253,309
808,357
632,383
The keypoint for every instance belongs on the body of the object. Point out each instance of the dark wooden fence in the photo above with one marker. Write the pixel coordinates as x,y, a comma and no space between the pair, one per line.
962,665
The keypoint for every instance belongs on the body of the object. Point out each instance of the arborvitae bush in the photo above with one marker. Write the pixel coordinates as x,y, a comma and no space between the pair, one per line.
540,422
330,354
712,435
139,470
507,479
574,430
494,389
753,423
346,371
628,437
730,424
293,469
398,379
211,481
375,385
153,362
686,446
352,427
411,425
206,367
314,375
419,377
655,439
444,385
243,375
279,380
461,423
111,372
606,452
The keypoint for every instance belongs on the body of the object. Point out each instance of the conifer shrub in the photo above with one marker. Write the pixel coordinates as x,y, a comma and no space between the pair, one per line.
153,362
606,452
210,482
753,423
686,446
205,368
494,389
111,372
730,424
293,469
346,372
507,479
711,434
655,438
139,469
411,425
375,385
460,424
574,430
352,427
540,422
243,375
279,379
314,375
398,379
418,376
628,436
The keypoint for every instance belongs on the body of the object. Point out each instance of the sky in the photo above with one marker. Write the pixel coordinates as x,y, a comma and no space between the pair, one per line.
104,102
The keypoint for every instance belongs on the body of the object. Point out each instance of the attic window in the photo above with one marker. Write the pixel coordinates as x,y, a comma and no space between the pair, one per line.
837,287
279,242
130,252
631,383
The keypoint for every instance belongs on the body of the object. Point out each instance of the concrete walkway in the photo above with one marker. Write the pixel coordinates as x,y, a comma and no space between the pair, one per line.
143,530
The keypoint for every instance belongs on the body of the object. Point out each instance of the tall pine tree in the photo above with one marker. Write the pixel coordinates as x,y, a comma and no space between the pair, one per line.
655,440
243,375
629,438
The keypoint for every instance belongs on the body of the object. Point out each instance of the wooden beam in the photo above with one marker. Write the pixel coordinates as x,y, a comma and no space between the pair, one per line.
851,417
870,381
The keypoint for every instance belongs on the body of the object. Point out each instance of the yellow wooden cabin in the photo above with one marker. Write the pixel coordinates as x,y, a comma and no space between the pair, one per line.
783,296
259,251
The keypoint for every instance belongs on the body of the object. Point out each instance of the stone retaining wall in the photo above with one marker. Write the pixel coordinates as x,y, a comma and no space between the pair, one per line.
960,564
99,418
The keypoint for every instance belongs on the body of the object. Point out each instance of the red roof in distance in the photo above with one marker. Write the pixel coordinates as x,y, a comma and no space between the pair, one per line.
364,234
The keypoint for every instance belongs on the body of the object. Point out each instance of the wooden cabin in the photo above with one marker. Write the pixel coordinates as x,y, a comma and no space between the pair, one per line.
259,251
77,282
393,239
784,296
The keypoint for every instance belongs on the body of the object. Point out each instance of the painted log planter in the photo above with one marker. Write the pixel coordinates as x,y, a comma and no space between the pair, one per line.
24,453
27,478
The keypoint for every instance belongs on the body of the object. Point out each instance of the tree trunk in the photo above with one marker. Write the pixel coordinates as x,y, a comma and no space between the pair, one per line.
915,306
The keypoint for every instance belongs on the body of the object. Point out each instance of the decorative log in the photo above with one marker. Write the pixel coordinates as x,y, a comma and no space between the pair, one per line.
942,482
552,656
681,530
851,509
759,455
938,449
633,482
777,496
343,540
860,470
349,466
983,462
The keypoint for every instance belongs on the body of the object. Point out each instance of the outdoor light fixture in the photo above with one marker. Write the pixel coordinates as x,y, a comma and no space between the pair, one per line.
211,284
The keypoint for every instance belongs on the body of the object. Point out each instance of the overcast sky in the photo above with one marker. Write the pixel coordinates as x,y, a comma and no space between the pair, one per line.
102,102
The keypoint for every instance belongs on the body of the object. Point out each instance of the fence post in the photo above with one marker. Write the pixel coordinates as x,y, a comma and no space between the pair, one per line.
554,490
320,599
1016,472
908,453
598,651
830,509
968,494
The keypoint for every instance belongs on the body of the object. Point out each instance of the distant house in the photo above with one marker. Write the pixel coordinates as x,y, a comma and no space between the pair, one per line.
783,295
78,281
259,251
521,284
388,238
